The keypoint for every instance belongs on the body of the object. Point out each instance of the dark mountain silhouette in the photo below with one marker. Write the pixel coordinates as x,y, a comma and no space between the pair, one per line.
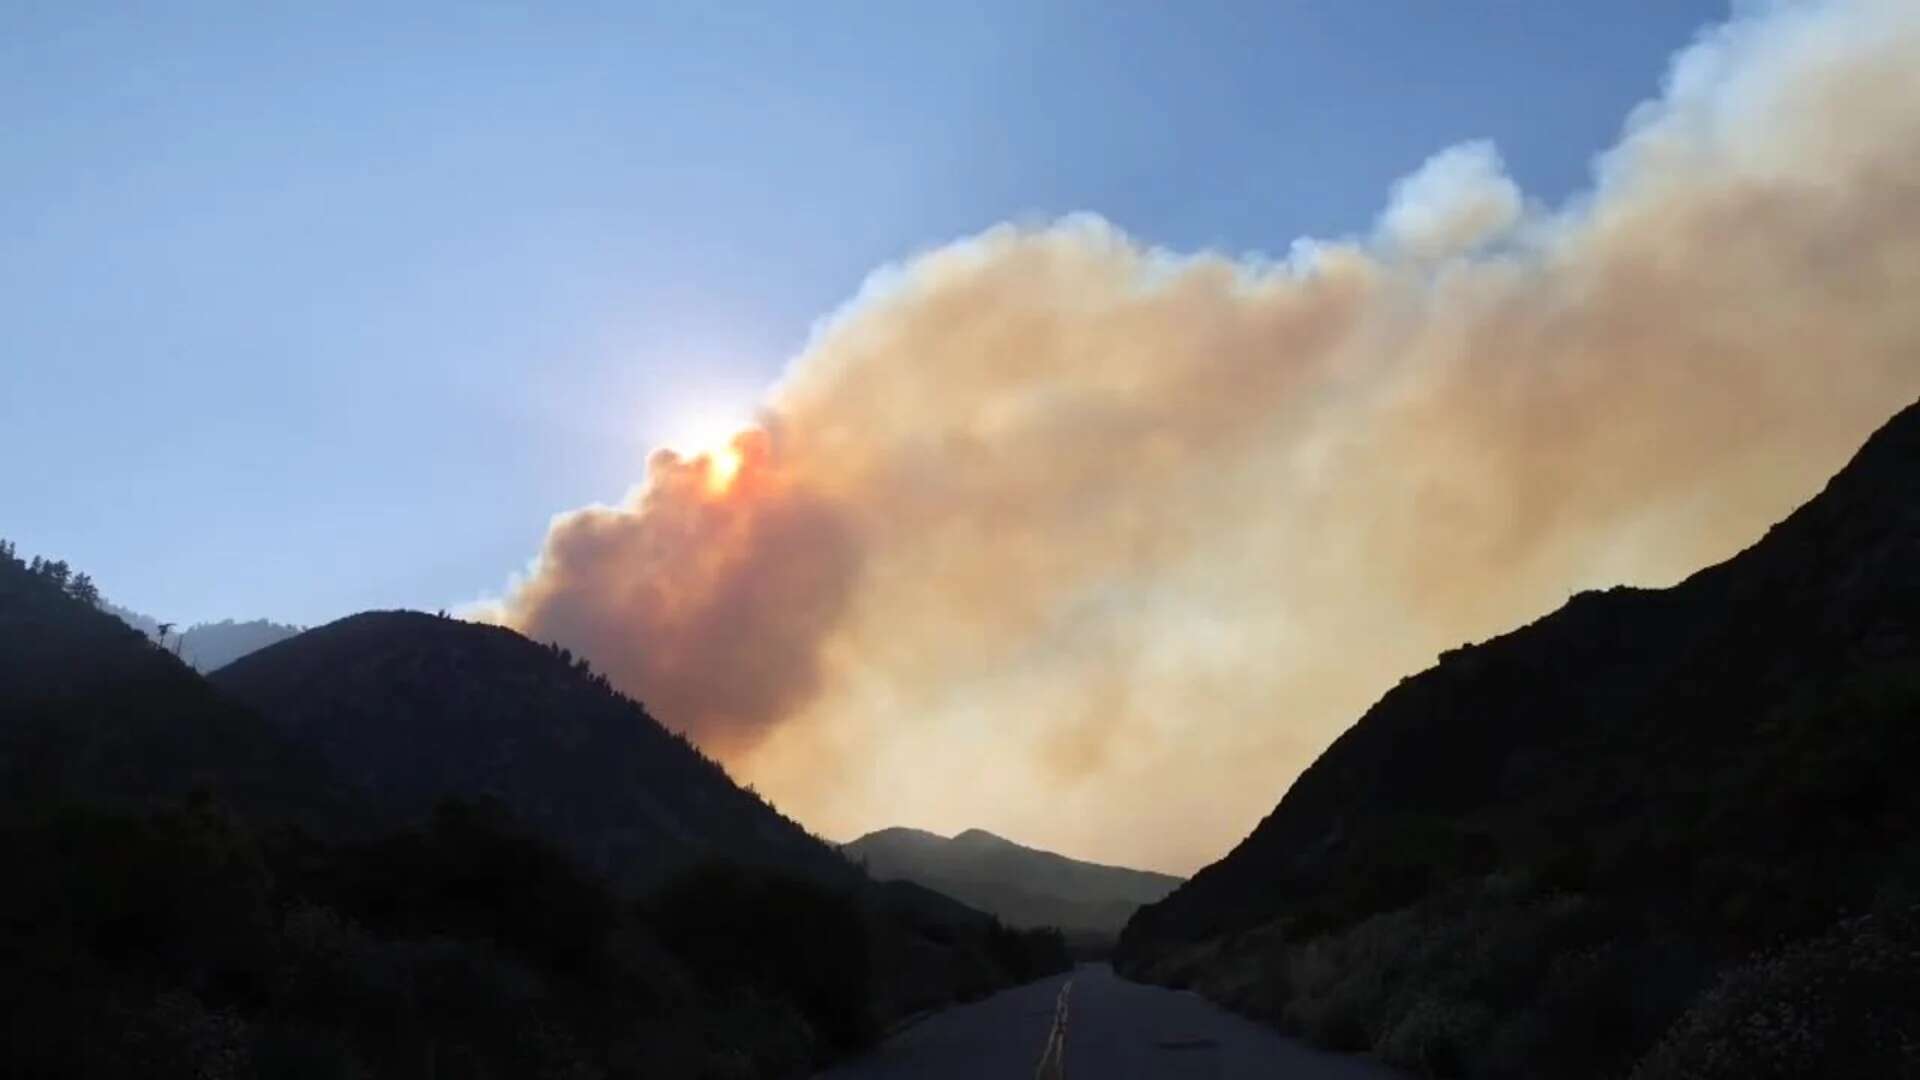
91,710
414,708
208,646
1023,886
199,896
1529,859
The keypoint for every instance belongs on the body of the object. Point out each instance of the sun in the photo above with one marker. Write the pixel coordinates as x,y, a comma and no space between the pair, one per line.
710,440
723,464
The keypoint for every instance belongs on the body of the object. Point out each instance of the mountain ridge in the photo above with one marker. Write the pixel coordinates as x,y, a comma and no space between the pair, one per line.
1689,775
206,893
98,713
1023,885
413,707
208,646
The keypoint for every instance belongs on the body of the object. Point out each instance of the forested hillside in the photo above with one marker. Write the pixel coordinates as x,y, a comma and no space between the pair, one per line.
412,708
200,892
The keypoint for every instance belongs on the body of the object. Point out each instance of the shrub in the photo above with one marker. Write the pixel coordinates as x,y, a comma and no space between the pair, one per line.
1842,1004
813,954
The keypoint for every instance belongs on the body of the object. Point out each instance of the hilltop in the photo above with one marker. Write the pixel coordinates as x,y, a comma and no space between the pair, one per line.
1023,886
1534,856
96,712
412,708
395,869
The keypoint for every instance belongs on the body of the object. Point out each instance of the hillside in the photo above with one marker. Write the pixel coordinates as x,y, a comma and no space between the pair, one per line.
204,900
1023,886
93,711
413,708
1531,858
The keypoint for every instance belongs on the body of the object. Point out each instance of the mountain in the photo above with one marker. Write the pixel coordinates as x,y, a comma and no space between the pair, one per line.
1023,886
93,711
211,646
414,708
207,646
1534,856
201,896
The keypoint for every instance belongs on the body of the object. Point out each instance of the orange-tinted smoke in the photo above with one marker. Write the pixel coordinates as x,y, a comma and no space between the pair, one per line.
712,558
1097,546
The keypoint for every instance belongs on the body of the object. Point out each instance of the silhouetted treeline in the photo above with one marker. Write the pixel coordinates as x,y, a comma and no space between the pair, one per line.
296,925
205,646
184,943
1028,954
92,710
55,572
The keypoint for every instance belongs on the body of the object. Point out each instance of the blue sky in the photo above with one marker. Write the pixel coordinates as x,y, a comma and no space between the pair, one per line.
321,308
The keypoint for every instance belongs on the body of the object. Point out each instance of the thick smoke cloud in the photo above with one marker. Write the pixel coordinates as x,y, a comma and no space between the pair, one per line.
711,603
1098,545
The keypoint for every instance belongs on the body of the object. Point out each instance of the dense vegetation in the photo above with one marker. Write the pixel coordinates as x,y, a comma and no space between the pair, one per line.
185,944
1645,819
198,894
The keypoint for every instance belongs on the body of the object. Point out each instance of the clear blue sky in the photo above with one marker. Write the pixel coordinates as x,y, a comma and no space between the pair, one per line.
309,308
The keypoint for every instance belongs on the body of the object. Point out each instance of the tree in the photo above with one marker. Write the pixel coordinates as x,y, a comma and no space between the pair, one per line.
56,572
160,632
83,589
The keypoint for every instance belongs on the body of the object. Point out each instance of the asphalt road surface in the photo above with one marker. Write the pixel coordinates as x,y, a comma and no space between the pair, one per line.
1093,1025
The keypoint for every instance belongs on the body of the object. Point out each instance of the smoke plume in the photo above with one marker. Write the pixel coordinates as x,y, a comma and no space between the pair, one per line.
1098,545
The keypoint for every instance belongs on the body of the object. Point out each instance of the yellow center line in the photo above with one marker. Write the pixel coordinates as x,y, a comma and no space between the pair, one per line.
1053,1060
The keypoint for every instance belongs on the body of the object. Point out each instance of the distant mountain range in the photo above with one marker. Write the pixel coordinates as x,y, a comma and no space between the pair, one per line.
1694,803
207,646
1023,886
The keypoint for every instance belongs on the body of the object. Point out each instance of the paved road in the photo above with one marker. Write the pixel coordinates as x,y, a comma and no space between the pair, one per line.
1113,1030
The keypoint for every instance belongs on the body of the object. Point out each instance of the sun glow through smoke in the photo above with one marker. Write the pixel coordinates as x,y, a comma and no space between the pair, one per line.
723,464
712,443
